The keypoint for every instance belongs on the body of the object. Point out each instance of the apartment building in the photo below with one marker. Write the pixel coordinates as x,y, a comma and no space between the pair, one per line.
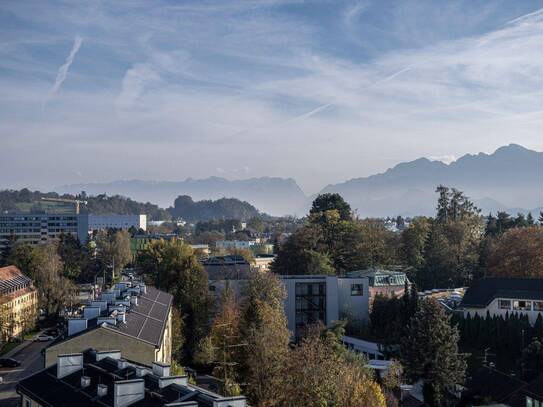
499,296
101,222
36,228
106,378
131,317
18,303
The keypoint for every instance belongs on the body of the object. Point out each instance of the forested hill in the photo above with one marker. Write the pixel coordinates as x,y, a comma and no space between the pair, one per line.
25,200
224,208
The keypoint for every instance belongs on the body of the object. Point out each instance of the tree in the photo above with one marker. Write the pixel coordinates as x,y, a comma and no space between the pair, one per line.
173,267
330,202
178,338
221,346
517,253
71,254
532,360
429,351
114,250
317,374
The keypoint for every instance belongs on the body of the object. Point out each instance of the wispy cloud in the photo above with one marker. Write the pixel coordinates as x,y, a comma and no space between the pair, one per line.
64,68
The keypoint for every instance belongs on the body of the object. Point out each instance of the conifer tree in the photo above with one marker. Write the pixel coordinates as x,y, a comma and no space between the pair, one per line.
429,351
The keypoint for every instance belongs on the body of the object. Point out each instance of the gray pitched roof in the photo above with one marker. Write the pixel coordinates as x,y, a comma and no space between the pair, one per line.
482,292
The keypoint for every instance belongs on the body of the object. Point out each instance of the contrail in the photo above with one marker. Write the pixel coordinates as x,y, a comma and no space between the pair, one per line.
525,16
308,114
63,70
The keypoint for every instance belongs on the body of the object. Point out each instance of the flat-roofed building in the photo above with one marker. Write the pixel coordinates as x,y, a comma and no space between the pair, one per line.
101,222
36,228
18,303
132,317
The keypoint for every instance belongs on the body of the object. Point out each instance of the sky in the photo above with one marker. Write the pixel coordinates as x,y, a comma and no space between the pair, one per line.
319,91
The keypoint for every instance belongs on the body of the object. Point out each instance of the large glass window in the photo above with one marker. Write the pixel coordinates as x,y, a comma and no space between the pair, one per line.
310,305
538,305
504,304
357,289
522,305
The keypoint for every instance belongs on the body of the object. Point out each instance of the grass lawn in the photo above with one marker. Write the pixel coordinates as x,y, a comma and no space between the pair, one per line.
29,336
8,346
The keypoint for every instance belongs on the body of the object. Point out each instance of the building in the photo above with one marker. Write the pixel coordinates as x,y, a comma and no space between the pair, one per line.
231,267
36,228
201,249
132,317
499,296
101,222
139,243
105,378
329,298
263,262
312,298
18,303
234,244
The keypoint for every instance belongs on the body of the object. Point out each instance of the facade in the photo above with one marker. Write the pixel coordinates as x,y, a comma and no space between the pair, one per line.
231,267
312,298
106,378
18,303
263,262
234,244
329,298
133,318
36,228
501,296
100,222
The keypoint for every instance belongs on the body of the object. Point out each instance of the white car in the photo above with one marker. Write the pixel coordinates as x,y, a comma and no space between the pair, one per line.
43,338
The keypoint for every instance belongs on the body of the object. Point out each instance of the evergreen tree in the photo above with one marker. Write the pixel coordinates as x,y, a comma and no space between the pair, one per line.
430,351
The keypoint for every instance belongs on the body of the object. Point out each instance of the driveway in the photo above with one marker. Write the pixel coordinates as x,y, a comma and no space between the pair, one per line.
31,362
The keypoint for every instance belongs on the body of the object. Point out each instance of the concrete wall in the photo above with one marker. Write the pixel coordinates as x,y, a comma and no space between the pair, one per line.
494,309
97,222
103,339
164,353
355,306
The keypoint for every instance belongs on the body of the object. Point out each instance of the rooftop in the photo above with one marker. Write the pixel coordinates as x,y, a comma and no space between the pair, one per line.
12,281
132,309
482,292
96,378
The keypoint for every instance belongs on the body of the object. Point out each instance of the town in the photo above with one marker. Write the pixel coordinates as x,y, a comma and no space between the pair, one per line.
127,310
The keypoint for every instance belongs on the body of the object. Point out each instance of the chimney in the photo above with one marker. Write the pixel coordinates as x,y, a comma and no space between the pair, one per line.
161,369
101,390
68,364
85,381
166,381
128,392
113,354
121,363
121,317
140,371
134,301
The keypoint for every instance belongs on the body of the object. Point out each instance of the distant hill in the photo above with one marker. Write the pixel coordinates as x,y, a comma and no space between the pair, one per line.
224,208
275,196
26,200
511,177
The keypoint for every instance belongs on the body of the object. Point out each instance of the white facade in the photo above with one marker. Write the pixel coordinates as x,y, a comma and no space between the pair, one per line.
502,306
234,244
100,222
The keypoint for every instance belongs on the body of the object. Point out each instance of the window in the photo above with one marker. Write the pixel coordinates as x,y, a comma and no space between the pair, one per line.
504,304
357,289
538,305
28,403
522,305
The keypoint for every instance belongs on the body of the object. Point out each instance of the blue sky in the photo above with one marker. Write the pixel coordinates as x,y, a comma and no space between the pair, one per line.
321,91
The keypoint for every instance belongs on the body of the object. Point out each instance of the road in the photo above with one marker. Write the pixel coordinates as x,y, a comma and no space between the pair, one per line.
31,362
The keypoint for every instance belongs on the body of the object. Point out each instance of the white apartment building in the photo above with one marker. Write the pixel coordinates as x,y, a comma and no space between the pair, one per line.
499,296
101,222
234,244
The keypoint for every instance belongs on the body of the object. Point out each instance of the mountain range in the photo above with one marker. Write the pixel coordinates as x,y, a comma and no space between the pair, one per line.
508,179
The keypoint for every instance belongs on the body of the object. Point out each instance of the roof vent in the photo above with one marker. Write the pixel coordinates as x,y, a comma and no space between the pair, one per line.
140,371
122,363
101,390
85,381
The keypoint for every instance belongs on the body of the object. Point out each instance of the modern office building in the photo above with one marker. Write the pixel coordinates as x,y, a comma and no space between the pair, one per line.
132,317
499,296
18,303
312,298
36,228
101,222
106,379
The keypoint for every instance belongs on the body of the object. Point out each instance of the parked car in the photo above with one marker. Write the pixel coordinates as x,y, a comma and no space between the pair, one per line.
52,332
9,362
43,338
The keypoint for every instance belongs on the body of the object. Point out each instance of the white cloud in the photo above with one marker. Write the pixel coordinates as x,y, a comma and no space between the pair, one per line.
63,70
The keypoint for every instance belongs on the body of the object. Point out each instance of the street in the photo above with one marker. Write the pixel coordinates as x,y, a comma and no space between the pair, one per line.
31,362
